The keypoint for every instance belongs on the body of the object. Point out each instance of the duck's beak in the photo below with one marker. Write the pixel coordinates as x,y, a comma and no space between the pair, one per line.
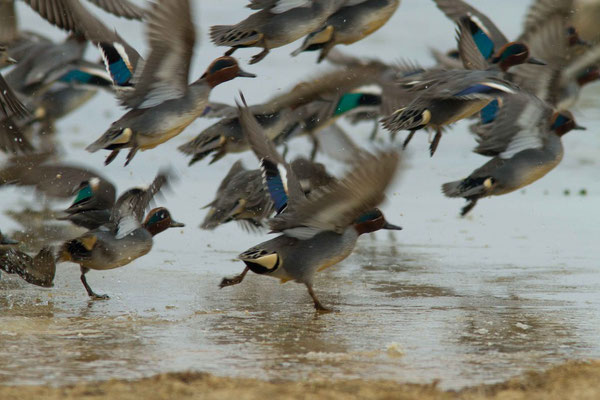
11,60
243,74
391,227
7,241
175,224
580,128
533,60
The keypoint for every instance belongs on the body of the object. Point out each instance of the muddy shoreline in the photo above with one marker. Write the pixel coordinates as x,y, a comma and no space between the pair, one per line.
572,380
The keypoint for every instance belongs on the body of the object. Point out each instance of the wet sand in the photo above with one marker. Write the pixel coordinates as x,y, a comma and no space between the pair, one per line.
573,380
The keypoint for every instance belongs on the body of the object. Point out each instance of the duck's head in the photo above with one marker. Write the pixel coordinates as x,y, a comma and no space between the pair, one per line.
590,74
574,39
95,190
514,53
563,122
159,219
371,221
224,69
6,241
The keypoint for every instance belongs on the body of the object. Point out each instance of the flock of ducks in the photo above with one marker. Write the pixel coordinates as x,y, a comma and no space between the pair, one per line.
515,92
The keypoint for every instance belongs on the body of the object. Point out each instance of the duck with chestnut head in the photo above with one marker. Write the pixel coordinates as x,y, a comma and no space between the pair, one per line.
124,236
162,103
523,135
318,230
481,44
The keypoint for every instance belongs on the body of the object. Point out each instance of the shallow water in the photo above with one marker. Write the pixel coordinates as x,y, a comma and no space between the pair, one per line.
514,286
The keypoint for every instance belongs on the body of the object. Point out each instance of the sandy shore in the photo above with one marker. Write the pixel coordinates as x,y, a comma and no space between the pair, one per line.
573,380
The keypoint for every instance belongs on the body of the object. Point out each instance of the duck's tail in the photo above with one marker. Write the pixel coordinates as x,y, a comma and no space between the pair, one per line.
469,187
407,119
207,142
114,138
233,36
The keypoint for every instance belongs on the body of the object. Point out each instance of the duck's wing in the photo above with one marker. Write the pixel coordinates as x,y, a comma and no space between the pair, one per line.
9,30
334,207
164,76
9,102
517,123
134,202
541,11
457,10
279,6
279,177
12,138
549,43
591,58
120,8
39,270
471,54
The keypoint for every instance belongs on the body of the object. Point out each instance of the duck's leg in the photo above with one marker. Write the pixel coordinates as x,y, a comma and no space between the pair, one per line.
89,290
231,51
373,135
436,140
235,280
258,57
111,157
130,155
471,203
318,306
408,139
315,148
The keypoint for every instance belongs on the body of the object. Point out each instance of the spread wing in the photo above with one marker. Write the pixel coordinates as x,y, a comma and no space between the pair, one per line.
164,75
548,43
458,9
278,6
278,174
121,8
542,10
518,124
469,52
335,206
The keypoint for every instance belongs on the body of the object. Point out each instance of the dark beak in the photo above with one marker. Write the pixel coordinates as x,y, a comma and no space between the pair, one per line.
175,224
7,241
532,60
391,227
580,128
243,74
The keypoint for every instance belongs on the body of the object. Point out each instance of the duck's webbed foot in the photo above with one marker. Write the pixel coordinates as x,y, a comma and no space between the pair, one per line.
408,139
258,57
230,51
235,280
318,306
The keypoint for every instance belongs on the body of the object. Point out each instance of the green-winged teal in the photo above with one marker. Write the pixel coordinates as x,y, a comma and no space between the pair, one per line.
117,244
523,135
320,230
125,236
277,23
444,97
348,25
490,48
242,197
162,104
